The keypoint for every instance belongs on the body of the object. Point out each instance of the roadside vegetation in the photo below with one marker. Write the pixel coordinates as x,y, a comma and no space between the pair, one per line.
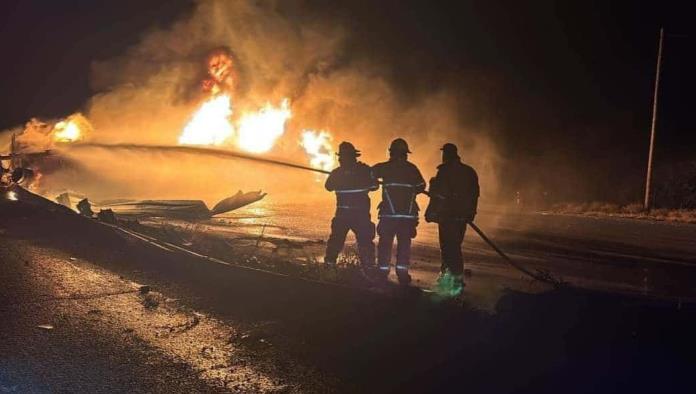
674,198
633,211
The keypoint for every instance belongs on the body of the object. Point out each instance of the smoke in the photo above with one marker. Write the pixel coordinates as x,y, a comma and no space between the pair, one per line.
280,49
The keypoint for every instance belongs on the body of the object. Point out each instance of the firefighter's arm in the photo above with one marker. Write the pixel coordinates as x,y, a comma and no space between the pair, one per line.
377,172
435,203
474,196
435,189
419,182
331,180
372,182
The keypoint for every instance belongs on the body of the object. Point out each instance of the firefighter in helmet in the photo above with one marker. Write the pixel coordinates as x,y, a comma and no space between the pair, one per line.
454,193
398,211
351,181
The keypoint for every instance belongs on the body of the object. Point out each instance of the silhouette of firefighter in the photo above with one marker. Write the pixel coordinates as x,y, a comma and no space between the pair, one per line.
352,181
398,210
454,193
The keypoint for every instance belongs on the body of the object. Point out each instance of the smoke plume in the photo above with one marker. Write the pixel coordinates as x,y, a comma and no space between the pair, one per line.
280,49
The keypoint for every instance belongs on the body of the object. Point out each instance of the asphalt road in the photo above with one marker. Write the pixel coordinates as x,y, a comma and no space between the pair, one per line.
206,326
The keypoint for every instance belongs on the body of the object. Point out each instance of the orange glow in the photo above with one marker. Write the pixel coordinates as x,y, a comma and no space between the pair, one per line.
70,129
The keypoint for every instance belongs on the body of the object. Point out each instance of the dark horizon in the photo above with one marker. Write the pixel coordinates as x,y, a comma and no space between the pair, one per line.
565,87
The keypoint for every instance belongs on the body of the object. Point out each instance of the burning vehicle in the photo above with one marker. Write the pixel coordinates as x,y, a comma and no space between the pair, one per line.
31,150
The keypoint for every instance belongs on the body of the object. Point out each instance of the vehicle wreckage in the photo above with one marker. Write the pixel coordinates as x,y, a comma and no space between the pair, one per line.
178,209
20,167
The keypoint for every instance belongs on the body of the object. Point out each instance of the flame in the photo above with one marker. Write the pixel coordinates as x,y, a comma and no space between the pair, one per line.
71,129
66,131
220,73
258,131
317,145
12,196
210,125
35,181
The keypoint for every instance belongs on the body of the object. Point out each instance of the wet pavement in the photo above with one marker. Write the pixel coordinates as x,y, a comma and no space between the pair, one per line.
616,255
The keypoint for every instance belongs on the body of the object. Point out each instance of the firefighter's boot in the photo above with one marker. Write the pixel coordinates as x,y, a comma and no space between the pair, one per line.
403,275
449,285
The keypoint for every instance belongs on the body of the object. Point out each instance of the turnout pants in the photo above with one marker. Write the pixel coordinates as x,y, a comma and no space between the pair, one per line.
451,236
403,230
364,231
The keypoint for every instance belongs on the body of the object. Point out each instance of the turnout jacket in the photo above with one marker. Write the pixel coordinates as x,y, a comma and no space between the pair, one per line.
351,184
401,182
454,193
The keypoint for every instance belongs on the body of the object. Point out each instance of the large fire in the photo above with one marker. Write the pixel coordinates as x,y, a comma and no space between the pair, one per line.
258,131
210,125
318,147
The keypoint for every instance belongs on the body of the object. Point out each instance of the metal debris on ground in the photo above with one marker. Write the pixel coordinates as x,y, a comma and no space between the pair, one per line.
150,301
85,208
107,216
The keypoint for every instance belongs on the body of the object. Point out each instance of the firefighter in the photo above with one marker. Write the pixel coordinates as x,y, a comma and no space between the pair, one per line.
454,193
398,210
351,181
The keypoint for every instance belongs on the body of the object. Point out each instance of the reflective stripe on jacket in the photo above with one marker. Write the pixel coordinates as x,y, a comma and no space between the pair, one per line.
401,182
352,185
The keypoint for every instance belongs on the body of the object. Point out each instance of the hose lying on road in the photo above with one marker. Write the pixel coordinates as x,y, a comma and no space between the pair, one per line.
542,276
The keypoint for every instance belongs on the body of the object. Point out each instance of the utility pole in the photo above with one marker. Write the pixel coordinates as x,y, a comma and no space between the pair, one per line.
648,177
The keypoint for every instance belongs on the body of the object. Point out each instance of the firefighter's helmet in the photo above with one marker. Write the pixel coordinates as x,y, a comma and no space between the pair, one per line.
399,145
347,149
449,148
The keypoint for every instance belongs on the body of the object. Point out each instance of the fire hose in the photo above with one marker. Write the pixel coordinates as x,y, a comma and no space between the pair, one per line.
540,275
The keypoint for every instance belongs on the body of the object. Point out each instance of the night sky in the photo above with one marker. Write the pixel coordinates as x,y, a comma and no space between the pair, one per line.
567,83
